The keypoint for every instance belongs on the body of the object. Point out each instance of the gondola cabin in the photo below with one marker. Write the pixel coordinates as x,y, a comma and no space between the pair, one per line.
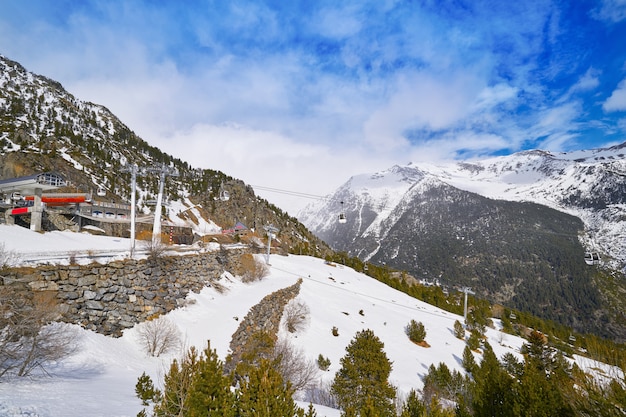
592,258
342,215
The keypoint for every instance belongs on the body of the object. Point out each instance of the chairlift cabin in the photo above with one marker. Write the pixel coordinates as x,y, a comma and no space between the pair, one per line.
342,215
572,338
592,258
512,316
101,191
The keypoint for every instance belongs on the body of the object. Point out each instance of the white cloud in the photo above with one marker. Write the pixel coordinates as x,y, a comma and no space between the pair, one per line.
611,11
494,95
617,100
420,101
269,159
587,82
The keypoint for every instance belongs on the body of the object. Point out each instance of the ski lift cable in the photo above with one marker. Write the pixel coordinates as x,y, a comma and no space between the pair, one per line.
289,192
432,313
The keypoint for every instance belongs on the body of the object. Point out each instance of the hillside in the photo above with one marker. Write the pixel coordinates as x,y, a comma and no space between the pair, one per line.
45,128
99,378
515,229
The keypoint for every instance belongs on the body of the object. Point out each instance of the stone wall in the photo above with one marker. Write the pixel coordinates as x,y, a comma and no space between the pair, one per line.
263,317
109,298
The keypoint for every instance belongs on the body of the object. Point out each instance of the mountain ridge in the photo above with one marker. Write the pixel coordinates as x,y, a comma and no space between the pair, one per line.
45,128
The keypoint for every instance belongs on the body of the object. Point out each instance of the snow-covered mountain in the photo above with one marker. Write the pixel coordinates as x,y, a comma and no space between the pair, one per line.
463,222
588,184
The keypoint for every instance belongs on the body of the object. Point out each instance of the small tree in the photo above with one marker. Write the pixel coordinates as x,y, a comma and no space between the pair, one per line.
159,336
293,365
29,338
474,340
415,331
323,363
263,393
362,385
145,390
459,330
469,363
413,406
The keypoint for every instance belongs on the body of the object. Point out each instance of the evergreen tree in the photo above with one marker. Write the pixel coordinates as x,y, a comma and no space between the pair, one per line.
413,406
362,382
311,411
263,393
176,386
145,390
493,388
539,397
209,393
469,363
416,331
459,330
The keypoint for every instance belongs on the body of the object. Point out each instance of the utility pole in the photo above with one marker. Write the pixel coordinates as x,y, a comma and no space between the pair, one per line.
163,172
466,290
270,229
134,170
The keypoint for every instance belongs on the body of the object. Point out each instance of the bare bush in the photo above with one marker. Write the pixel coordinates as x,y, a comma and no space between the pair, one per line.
155,249
253,269
296,316
29,338
159,336
294,366
8,258
320,393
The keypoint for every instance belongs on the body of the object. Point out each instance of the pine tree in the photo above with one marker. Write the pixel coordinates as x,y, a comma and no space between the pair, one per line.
362,382
413,406
311,411
176,385
469,363
145,390
459,330
263,393
494,393
209,392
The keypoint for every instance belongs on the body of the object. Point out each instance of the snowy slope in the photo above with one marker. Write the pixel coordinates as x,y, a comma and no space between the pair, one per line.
99,379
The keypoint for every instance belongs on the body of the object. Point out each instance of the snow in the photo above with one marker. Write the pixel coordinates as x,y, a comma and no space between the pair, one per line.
99,378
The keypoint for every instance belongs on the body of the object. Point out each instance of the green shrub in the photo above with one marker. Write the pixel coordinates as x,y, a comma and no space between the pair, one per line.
323,363
415,331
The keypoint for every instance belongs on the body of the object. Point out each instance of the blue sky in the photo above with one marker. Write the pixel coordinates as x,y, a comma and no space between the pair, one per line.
300,95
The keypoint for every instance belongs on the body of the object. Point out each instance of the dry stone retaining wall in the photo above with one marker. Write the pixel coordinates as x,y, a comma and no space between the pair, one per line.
263,317
109,298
